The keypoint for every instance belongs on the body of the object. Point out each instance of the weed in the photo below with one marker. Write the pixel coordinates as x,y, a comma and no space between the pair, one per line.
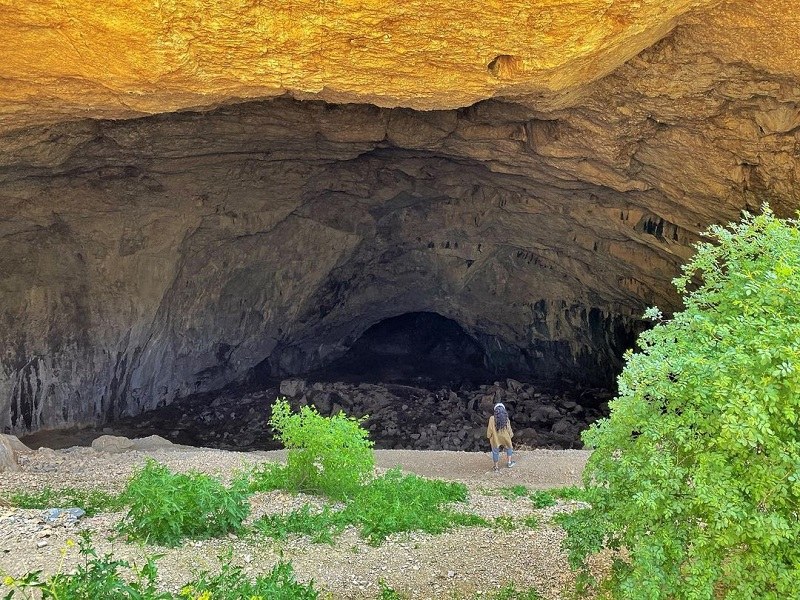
387,593
531,521
542,499
320,526
392,503
232,584
166,507
509,592
98,577
569,492
513,492
503,523
395,503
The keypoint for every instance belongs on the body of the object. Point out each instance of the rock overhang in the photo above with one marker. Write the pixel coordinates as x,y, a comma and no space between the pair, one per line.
147,259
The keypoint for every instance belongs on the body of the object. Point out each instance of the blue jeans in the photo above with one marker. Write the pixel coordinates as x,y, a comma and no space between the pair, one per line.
496,454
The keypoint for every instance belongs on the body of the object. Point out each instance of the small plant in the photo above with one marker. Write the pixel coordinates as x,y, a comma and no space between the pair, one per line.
513,492
327,455
509,592
232,584
696,473
166,507
91,501
542,499
531,521
99,577
267,477
503,523
321,526
387,593
569,492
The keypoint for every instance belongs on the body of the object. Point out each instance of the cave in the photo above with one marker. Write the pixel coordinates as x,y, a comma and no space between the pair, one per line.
484,224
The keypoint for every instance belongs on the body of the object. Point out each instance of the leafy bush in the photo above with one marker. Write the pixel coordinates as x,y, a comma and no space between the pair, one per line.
697,471
98,577
232,584
166,507
269,476
569,492
395,503
327,455
392,503
91,501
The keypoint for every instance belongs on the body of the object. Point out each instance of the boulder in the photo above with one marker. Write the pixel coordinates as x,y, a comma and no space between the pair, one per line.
10,449
115,444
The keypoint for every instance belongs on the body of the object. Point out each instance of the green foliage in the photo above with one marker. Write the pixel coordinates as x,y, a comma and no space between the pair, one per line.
91,501
513,492
395,503
510,592
327,455
531,521
387,593
267,477
166,507
503,523
542,499
321,526
392,503
569,492
98,577
232,584
697,471
109,578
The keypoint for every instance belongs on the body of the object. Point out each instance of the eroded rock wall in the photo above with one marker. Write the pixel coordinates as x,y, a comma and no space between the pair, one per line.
144,260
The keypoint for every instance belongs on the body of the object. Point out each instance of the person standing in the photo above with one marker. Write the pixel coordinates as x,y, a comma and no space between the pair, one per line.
499,433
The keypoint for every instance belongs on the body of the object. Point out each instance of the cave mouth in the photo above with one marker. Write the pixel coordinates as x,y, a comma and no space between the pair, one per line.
423,349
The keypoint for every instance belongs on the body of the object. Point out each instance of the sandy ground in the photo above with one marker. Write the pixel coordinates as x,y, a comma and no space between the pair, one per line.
457,564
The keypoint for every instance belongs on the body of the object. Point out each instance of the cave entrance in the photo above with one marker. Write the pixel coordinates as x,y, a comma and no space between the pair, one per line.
420,348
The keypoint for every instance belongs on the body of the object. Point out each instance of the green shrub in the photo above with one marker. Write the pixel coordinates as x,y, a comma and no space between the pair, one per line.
697,471
321,526
392,503
326,455
166,507
542,499
395,503
91,501
232,584
98,577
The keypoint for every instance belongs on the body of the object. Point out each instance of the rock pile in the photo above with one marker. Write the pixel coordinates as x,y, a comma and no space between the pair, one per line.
400,416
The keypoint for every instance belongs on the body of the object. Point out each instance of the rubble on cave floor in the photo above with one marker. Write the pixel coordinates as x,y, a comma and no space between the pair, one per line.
400,416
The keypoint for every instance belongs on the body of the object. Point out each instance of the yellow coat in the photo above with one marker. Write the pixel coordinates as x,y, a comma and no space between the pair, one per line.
499,438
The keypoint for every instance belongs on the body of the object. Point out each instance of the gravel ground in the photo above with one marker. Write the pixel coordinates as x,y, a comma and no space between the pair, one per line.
462,562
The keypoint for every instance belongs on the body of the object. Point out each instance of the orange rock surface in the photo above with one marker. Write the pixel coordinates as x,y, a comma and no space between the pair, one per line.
118,58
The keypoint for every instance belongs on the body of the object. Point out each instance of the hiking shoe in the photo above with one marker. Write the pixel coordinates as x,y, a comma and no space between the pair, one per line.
511,464
495,468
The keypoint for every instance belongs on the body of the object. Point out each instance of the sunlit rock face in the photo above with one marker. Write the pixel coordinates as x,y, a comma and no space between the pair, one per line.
143,260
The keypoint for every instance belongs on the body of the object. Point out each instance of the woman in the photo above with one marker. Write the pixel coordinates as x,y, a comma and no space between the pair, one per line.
500,434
